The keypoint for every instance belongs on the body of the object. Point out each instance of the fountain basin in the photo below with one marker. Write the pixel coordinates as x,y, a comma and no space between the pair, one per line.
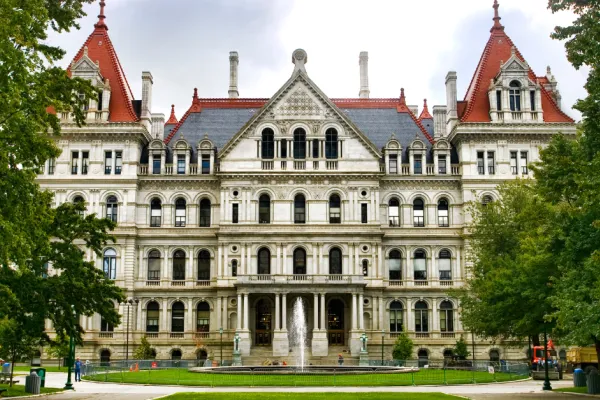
310,369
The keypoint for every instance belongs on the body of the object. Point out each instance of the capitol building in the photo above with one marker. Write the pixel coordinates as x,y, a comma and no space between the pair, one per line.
231,211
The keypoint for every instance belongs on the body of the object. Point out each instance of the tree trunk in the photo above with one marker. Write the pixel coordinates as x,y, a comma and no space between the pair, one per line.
12,370
535,339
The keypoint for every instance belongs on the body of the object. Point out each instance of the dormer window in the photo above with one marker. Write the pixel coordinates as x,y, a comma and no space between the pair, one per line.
532,100
499,100
100,94
515,96
268,144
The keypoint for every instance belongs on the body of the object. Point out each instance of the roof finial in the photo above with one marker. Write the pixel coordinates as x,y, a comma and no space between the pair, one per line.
497,24
101,17
425,113
196,107
172,118
402,97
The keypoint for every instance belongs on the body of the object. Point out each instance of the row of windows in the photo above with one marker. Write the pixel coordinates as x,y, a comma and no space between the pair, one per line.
421,313
80,162
418,213
180,164
514,97
300,145
490,162
418,164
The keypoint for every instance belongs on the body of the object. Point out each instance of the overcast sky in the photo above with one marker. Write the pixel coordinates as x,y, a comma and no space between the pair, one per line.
411,44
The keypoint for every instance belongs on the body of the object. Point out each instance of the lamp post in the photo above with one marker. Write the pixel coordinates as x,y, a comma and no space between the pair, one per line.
221,333
382,340
547,385
129,302
71,358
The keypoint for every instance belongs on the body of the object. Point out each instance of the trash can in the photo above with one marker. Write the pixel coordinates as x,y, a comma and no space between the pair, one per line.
32,383
593,382
579,379
41,372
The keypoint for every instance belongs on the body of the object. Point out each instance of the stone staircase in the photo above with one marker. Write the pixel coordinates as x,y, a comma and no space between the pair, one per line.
258,355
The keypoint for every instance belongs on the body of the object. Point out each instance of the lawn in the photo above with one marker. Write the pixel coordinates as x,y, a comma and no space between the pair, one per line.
573,390
310,396
257,379
48,369
19,390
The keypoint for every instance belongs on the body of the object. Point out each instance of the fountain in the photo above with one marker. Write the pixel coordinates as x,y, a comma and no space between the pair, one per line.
298,332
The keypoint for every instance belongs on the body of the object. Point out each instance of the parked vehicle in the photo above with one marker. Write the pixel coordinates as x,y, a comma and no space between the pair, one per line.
582,357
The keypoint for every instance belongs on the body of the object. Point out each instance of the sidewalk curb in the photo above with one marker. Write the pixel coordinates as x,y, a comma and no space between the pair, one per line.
33,396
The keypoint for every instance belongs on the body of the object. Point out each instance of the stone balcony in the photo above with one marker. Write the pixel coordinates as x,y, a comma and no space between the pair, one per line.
175,284
301,280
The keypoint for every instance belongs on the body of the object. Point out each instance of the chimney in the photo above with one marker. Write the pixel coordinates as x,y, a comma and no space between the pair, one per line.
234,60
146,114
451,96
439,121
364,75
158,126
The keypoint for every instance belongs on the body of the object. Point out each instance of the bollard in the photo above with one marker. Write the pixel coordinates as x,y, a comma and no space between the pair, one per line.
593,382
579,378
33,383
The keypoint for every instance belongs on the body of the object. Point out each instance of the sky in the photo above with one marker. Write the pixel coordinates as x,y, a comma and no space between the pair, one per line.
411,44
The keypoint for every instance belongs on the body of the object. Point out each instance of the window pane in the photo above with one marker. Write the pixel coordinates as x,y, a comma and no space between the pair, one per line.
181,164
299,143
331,144
418,167
118,162
156,165
108,162
205,164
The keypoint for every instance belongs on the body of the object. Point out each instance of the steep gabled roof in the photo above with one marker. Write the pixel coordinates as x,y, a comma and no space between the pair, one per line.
498,50
100,49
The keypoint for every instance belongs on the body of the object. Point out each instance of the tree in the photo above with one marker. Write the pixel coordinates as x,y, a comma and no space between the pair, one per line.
144,351
33,233
58,349
461,350
403,347
15,343
507,291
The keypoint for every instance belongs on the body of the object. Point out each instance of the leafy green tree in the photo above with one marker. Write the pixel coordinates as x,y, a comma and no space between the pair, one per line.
403,347
15,343
144,351
58,349
461,350
33,234
507,291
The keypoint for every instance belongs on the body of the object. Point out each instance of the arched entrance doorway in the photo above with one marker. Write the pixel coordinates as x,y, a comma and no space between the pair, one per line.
263,323
105,357
335,322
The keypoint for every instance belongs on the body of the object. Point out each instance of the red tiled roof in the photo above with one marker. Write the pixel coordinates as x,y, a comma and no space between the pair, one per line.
172,119
425,113
497,50
101,49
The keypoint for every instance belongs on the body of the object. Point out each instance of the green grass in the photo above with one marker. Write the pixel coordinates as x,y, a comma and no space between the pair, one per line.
19,390
573,390
310,396
186,378
48,369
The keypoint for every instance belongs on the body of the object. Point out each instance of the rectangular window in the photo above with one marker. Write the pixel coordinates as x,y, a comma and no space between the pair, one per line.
74,162
442,169
364,211
480,163
235,213
107,162
395,269
152,321
283,148
418,158
180,164
499,100
491,163
85,162
100,101
315,148
393,163
532,100
118,162
156,165
444,265
524,168
514,166
205,164
51,166
420,268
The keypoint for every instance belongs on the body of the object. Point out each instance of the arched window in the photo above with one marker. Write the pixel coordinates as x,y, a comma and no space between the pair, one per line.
445,265
234,267
154,265
335,209
515,96
179,265
487,199
419,213
423,356
448,354
421,317
264,262
299,144
335,261
109,264
180,212
176,355
79,200
396,317
152,315
420,265
331,144
299,209
299,262
155,213
205,213
394,212
446,317
203,317
365,267
268,144
177,317
106,326
283,148
443,220
494,355
264,209
105,357
395,265
112,208
204,266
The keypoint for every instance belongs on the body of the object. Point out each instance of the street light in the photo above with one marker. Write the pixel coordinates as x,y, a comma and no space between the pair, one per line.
71,358
129,302
382,339
221,333
547,385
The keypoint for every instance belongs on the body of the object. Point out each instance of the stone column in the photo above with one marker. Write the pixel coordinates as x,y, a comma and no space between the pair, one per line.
315,311
225,316
246,311
284,261
434,317
164,327
140,263
239,313
409,316
284,313
278,260
350,270
381,260
357,262
242,270
219,318
139,316
190,324
314,267
320,264
249,269
323,313
225,261
277,312
353,313
220,261
361,320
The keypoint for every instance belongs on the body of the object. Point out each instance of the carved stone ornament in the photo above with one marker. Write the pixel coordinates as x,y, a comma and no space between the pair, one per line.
299,103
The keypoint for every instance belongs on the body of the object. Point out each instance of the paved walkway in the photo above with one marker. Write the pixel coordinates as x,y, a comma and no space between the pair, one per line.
528,390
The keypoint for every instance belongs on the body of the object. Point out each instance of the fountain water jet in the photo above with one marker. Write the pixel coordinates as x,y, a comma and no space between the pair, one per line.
298,332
